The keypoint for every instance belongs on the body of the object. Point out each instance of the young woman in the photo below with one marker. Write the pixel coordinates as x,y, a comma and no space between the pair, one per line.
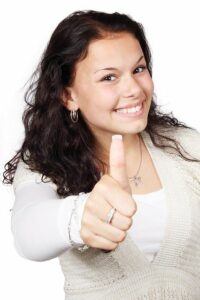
104,180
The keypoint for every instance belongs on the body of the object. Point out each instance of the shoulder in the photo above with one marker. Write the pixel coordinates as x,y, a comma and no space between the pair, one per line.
24,174
189,139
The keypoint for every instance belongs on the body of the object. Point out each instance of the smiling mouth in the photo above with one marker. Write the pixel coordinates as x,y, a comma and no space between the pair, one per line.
131,105
135,112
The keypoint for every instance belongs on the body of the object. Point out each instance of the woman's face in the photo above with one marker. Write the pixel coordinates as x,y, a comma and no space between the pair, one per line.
98,92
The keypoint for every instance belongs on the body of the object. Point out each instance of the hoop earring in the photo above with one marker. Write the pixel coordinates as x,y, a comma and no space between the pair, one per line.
74,116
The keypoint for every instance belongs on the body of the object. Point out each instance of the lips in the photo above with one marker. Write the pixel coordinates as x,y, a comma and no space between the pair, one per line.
130,105
128,114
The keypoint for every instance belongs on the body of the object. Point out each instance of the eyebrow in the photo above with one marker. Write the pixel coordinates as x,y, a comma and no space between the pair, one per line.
112,68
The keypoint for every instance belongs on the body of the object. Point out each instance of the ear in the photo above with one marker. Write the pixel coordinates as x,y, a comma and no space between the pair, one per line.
69,99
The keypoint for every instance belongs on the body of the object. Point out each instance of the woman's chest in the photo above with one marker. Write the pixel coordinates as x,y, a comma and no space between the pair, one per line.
148,181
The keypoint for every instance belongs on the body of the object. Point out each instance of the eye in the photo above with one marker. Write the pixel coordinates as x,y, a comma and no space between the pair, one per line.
143,67
106,77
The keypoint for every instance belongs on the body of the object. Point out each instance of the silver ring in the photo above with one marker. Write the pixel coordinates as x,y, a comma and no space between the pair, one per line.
110,215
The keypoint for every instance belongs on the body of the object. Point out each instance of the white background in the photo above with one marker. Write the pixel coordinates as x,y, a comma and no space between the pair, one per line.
172,29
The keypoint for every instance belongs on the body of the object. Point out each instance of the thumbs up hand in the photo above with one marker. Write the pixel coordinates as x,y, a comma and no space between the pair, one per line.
111,191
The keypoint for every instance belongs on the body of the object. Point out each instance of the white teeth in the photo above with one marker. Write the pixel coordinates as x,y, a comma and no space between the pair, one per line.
130,110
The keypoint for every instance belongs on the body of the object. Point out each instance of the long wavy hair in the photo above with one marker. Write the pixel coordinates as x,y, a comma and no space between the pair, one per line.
55,146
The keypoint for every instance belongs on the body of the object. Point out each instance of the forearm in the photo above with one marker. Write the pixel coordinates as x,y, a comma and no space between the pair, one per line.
40,222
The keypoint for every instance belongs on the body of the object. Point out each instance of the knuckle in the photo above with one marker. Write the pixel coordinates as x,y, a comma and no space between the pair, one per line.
88,239
112,246
115,246
122,236
84,235
133,210
87,222
100,186
129,222
134,207
89,205
83,221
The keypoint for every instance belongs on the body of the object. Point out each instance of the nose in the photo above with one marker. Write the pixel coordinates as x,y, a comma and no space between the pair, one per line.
131,88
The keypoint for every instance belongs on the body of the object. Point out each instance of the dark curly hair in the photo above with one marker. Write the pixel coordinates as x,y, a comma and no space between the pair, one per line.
55,146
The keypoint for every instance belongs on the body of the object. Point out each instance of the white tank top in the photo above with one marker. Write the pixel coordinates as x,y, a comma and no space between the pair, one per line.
149,222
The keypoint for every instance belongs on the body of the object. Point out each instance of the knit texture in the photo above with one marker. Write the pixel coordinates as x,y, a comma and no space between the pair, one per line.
125,273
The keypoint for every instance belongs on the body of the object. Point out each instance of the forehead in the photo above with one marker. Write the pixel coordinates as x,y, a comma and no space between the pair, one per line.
108,51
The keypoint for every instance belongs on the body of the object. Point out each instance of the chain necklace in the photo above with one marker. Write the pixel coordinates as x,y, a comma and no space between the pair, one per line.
137,179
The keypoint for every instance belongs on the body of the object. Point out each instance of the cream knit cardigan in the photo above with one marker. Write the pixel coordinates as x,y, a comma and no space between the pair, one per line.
125,273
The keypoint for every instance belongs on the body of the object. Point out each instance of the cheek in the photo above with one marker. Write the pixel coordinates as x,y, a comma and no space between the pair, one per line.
147,85
108,98
151,86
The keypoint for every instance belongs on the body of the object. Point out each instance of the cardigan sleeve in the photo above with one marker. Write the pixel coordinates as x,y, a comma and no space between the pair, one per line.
39,219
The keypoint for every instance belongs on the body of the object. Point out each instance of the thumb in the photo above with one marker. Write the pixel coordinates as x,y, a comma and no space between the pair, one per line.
118,164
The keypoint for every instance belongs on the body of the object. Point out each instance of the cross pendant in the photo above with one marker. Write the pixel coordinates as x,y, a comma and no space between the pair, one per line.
136,180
